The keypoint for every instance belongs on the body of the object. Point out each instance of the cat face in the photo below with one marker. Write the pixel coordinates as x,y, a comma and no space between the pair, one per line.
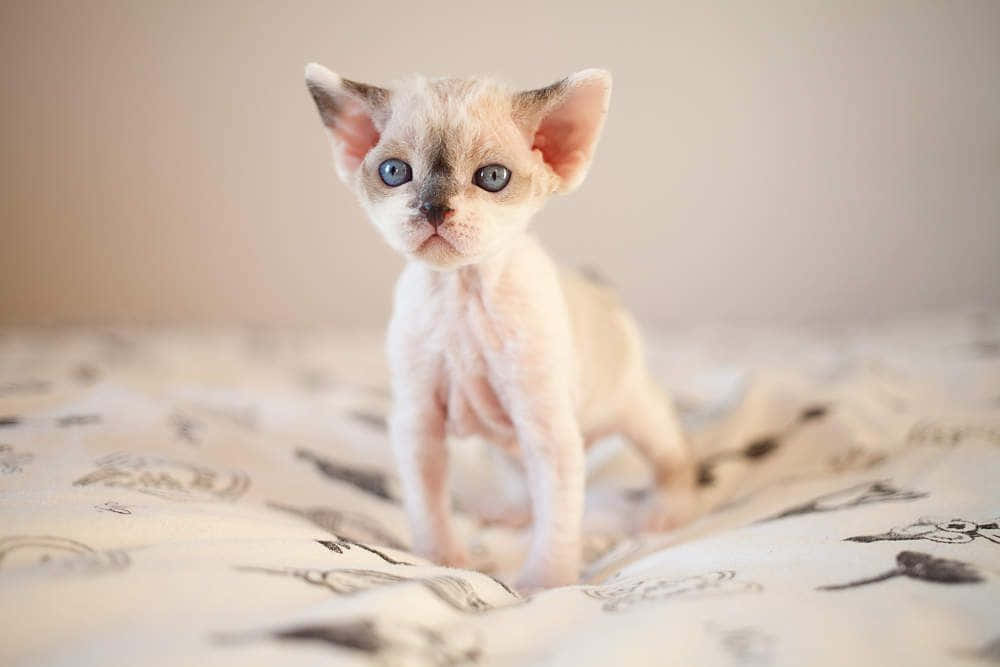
449,170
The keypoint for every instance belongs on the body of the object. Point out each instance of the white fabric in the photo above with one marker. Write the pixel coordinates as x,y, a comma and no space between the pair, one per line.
163,502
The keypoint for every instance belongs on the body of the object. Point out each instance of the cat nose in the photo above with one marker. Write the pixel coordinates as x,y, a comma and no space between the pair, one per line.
435,212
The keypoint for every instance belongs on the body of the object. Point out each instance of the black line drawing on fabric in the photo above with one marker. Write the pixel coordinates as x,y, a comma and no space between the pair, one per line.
342,544
943,433
627,593
12,461
185,428
371,419
391,643
354,525
952,531
112,506
77,420
860,494
747,645
20,387
370,481
760,448
920,566
358,635
166,478
989,652
453,591
9,420
59,554
617,556
510,591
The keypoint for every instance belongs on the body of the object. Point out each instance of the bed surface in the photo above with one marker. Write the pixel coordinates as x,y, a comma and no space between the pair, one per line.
228,497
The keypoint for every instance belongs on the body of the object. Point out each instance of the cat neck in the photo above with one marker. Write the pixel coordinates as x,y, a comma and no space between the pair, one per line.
487,272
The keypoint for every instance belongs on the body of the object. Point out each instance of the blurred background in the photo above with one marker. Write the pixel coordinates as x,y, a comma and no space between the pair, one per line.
780,161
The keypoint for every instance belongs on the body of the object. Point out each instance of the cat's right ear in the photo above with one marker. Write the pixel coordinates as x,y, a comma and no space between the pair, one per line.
354,115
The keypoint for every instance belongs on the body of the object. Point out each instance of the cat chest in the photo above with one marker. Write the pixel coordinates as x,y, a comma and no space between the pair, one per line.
473,377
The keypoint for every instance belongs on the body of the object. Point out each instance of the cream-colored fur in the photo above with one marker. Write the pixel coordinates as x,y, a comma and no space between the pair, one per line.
488,336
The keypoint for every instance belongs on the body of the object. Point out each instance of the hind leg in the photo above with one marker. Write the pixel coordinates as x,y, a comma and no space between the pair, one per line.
650,423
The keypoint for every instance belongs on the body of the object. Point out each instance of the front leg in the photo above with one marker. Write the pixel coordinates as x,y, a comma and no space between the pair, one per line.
552,448
417,430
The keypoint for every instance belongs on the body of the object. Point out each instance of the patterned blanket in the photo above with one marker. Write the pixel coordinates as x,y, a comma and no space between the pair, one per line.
221,497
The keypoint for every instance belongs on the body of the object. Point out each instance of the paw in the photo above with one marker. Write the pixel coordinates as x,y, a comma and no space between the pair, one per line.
457,556
450,555
529,584
534,578
666,509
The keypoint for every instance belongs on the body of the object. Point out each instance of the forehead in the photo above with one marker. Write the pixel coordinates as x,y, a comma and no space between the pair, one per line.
460,113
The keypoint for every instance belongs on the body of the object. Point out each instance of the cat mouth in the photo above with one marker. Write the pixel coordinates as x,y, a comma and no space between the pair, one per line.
435,242
438,251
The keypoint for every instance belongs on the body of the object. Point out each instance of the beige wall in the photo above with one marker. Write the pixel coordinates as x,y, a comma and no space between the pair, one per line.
780,160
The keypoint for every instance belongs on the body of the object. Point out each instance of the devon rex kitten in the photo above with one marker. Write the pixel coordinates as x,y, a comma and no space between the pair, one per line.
488,336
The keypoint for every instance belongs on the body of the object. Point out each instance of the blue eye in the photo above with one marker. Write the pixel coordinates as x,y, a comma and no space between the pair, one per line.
395,172
492,177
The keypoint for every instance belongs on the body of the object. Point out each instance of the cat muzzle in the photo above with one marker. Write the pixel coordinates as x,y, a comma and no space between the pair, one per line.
435,212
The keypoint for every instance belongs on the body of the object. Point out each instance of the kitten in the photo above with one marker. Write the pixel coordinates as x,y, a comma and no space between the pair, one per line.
488,336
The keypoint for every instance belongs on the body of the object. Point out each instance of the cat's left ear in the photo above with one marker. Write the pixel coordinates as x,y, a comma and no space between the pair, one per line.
354,115
564,122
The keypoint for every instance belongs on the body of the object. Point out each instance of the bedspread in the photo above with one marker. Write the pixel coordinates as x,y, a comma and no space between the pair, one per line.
228,497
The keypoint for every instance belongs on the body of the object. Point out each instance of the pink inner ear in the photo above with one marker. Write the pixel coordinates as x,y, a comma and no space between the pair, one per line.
355,132
567,134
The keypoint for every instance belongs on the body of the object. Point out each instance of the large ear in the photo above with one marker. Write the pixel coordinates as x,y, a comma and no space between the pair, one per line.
354,115
564,122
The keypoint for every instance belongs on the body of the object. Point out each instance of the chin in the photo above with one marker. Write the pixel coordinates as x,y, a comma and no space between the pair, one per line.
438,253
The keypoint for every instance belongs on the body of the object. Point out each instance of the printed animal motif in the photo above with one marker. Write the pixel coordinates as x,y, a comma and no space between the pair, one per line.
77,420
854,496
626,594
454,591
922,567
13,461
393,642
953,531
950,434
113,507
342,544
166,478
59,554
354,525
370,481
